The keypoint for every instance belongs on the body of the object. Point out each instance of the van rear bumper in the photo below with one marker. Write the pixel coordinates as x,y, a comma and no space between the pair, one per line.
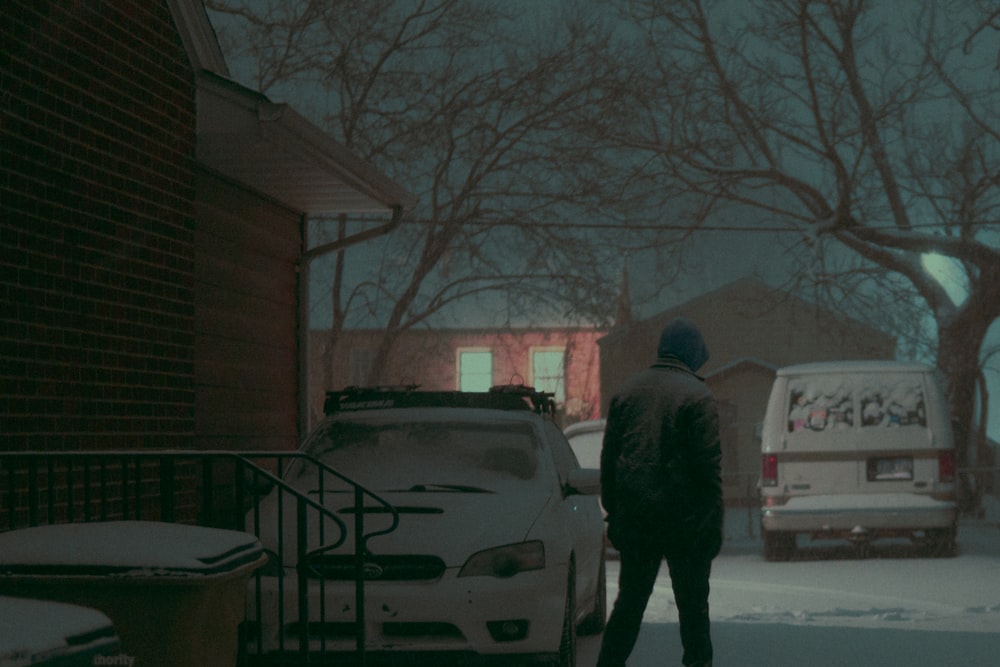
830,513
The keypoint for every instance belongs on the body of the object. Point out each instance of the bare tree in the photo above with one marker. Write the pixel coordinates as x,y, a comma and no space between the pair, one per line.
868,127
464,105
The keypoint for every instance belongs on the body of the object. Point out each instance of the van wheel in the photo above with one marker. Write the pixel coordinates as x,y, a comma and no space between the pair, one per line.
778,546
942,542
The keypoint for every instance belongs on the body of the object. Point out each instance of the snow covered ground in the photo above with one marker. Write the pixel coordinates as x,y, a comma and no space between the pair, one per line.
826,608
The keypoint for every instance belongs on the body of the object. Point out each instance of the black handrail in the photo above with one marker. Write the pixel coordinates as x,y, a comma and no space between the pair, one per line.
26,495
360,542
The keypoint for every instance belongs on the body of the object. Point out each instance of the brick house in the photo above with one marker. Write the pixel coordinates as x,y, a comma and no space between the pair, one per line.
751,329
153,233
563,360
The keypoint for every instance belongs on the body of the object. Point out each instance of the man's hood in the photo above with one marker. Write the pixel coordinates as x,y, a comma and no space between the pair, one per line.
682,339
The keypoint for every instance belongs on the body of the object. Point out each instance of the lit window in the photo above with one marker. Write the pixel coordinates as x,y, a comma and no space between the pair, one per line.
475,370
548,369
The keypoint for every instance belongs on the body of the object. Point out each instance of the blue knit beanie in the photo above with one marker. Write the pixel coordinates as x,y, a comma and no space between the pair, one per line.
682,339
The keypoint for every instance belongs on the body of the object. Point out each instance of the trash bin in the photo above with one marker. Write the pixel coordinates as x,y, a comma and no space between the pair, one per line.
175,593
53,634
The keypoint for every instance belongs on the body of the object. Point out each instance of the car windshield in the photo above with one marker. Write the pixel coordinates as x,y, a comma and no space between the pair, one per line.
430,456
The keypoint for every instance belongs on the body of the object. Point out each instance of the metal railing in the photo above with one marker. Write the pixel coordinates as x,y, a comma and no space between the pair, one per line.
222,489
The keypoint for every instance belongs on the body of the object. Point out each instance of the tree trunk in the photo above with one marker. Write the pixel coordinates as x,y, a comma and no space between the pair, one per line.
959,344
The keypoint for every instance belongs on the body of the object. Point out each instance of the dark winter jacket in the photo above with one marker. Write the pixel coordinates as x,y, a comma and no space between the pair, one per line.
661,459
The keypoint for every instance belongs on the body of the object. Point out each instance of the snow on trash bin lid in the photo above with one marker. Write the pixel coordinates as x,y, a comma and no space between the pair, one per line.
125,548
36,628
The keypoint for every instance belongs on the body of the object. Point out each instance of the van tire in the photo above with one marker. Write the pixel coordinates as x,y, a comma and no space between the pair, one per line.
942,542
778,546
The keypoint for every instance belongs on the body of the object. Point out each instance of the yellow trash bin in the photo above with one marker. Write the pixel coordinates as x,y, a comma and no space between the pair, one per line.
175,593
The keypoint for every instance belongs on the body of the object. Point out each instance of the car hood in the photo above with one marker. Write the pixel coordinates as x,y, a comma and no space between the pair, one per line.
450,525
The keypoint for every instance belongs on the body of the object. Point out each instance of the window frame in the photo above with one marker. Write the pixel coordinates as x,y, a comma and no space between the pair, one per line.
559,395
459,373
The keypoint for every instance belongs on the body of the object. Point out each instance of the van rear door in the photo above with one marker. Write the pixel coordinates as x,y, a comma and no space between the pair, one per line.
820,456
895,445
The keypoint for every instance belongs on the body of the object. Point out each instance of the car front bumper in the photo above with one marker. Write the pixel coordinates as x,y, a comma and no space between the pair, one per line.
450,614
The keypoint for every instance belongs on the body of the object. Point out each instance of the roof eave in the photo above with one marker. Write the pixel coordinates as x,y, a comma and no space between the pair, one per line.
276,151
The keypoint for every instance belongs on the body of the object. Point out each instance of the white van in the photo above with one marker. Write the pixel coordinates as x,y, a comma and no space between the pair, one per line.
858,450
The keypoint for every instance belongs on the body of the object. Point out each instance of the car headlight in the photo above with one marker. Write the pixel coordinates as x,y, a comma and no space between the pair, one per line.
505,561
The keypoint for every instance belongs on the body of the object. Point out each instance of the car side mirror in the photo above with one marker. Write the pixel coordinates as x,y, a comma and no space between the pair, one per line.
583,482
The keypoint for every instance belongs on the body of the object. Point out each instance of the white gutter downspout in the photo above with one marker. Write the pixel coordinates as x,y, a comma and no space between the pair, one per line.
303,273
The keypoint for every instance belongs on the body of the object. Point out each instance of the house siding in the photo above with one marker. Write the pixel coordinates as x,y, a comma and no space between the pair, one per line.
97,140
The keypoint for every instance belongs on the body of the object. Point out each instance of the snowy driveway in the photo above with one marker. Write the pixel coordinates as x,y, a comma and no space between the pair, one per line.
828,609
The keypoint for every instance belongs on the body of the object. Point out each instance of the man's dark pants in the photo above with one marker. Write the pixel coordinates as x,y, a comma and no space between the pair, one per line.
689,577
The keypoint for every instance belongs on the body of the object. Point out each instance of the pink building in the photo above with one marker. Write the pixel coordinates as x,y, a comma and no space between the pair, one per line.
561,360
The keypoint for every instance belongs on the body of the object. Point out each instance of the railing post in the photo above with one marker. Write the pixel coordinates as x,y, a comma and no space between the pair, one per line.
302,580
69,490
207,492
359,574
104,488
86,490
12,465
32,491
240,493
167,489
50,478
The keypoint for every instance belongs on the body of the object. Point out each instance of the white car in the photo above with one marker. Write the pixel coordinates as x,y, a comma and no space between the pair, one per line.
498,549
586,438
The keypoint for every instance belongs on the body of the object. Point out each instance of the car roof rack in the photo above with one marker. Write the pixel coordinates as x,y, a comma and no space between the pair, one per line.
381,397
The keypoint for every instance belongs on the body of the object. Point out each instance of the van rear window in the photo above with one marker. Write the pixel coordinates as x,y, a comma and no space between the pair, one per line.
820,404
893,400
828,403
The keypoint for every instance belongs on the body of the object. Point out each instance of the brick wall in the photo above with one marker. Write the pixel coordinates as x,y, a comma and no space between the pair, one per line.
97,131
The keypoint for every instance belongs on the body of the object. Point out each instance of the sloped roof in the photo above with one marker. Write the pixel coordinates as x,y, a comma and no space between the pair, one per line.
269,146
741,364
749,287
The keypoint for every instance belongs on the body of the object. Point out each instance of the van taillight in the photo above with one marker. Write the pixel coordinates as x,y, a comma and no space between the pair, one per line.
769,470
946,466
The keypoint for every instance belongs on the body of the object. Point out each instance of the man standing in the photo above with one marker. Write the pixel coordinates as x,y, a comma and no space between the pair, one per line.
661,486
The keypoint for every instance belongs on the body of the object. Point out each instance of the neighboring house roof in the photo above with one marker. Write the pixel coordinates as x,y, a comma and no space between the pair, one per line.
740,364
270,147
759,296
